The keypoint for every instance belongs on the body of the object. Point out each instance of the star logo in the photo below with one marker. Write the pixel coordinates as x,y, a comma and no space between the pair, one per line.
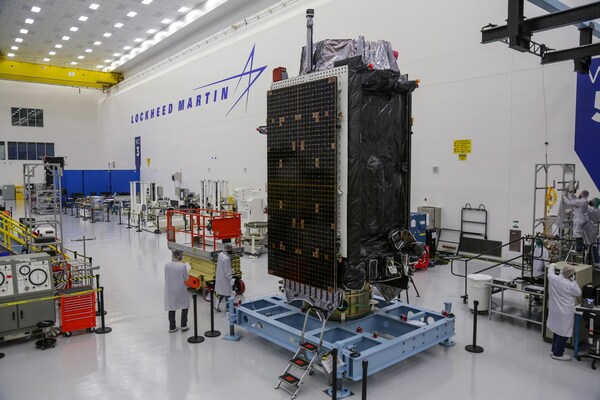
245,80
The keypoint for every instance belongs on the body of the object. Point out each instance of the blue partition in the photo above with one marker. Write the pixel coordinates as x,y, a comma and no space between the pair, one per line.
120,179
72,181
95,182
98,181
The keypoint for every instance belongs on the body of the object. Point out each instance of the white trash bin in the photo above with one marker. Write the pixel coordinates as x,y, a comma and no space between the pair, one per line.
478,289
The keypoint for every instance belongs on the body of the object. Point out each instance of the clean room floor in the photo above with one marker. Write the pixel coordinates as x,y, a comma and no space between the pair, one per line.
139,359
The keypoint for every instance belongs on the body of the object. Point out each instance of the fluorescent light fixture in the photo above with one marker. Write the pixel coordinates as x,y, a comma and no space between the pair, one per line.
118,25
108,60
66,38
35,9
24,31
73,63
58,46
80,57
18,40
99,66
117,55
166,21
131,14
107,34
126,47
147,1
94,6
83,18
97,43
46,59
138,40
74,29
52,53
10,55
183,9
88,50
14,47
29,21
151,31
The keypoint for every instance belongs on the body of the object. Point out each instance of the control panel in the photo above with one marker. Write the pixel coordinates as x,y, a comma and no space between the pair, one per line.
6,280
33,276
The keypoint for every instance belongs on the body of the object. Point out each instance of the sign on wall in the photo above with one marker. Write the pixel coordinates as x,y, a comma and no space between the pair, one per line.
138,152
462,147
587,121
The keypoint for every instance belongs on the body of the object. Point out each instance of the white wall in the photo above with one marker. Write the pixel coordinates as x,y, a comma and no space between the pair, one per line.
501,99
70,121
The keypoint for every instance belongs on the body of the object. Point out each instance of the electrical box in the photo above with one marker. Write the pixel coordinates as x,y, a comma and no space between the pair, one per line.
8,192
418,226
434,216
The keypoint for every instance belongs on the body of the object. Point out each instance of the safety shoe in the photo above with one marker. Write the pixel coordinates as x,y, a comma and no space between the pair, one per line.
218,309
173,330
564,357
185,328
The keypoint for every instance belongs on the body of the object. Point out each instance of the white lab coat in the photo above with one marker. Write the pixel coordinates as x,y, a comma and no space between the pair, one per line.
223,276
176,295
561,310
580,217
540,259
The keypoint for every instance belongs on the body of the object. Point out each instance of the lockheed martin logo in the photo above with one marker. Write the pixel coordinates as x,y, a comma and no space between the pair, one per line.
212,93
249,75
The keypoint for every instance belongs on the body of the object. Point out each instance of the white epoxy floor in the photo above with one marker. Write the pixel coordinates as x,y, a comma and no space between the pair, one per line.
139,359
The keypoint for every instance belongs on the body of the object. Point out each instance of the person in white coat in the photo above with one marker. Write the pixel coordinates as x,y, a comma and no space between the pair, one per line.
176,295
224,275
580,216
562,291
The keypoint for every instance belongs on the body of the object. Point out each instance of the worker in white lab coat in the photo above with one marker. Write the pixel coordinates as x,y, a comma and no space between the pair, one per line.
176,295
224,275
580,216
562,292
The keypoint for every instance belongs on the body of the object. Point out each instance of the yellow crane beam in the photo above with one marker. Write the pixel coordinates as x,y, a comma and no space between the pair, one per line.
55,75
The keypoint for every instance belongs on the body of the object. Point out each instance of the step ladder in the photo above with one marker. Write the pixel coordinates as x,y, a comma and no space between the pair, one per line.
304,358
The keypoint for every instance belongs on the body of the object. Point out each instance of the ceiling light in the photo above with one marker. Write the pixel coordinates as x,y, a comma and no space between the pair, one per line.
131,14
96,43
10,55
35,9
66,38
24,31
29,21
147,1
183,9
165,21
117,55
73,63
94,6
14,47
107,61
107,34
118,25
138,40
46,59
83,18
99,66
88,50
151,31
80,57
52,53
18,40
74,29
58,46
124,48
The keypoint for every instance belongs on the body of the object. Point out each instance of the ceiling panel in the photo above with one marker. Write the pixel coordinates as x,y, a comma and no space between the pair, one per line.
56,18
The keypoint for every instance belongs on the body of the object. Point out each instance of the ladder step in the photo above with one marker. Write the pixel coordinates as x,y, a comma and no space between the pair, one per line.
299,362
289,379
308,346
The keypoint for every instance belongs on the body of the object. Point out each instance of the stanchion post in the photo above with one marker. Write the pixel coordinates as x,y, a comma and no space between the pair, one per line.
334,354
195,338
92,212
473,348
107,214
103,328
120,222
212,333
365,367
129,218
100,308
139,227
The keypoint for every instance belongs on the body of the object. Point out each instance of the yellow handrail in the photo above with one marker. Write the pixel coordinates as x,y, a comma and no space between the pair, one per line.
13,230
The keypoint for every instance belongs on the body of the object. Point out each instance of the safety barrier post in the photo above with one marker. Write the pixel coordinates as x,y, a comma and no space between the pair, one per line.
98,312
139,227
365,366
334,354
212,332
103,328
77,211
92,212
195,338
107,214
129,218
473,348
232,320
120,222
